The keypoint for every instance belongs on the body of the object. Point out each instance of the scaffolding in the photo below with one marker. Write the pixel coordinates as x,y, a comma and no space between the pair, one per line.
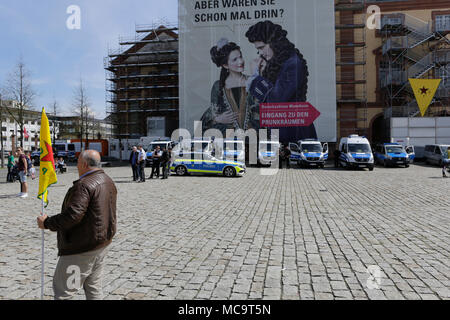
142,80
351,75
416,49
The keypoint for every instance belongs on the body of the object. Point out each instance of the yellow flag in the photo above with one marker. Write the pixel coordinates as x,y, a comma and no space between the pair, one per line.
424,91
47,174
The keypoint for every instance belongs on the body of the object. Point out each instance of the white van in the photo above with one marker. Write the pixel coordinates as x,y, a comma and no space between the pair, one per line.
309,152
162,143
436,154
227,149
194,145
268,152
355,152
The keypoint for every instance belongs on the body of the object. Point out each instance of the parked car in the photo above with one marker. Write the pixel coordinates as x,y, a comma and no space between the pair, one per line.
36,157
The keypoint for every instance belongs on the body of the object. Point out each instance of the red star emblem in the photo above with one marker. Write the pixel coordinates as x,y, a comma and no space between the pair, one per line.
48,156
424,91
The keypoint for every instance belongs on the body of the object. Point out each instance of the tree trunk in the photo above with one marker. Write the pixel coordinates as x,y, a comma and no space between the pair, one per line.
2,154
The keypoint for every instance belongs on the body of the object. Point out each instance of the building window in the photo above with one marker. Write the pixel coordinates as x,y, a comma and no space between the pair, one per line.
443,22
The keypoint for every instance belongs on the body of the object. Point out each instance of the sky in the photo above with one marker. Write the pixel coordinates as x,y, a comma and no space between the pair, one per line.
58,57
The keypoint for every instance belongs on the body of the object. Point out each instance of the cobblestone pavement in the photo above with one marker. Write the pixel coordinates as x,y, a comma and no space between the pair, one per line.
300,234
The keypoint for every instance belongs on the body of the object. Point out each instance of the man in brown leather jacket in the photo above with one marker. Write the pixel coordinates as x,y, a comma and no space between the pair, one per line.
85,226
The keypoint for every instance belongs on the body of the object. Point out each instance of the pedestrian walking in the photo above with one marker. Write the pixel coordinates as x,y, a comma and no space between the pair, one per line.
9,177
22,166
156,162
446,163
85,227
141,163
134,163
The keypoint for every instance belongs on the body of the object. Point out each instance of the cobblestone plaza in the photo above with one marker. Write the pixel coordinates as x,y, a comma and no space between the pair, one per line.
299,234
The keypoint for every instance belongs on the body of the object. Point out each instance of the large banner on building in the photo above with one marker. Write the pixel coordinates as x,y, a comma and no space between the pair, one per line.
252,64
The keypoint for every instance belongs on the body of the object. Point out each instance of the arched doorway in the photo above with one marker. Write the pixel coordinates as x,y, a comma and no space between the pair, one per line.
379,130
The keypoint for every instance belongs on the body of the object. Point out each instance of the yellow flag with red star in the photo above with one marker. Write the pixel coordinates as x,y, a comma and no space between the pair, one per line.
424,91
47,173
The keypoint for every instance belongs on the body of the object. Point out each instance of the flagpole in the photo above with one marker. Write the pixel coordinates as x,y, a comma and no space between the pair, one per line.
42,251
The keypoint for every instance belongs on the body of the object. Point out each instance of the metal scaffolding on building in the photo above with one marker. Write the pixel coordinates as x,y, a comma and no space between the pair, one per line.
413,48
351,73
142,80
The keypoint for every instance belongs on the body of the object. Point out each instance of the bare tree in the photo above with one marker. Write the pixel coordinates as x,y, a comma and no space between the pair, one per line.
18,88
2,155
55,111
81,105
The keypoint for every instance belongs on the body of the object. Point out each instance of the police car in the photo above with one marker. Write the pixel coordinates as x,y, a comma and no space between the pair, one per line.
355,152
309,152
391,154
205,163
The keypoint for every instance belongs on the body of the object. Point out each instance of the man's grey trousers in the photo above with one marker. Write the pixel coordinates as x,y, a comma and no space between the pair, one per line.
78,271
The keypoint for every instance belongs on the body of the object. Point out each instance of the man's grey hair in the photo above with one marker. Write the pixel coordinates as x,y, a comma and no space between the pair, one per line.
92,158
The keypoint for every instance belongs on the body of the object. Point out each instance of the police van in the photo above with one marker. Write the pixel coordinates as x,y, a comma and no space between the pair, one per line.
309,152
391,154
410,150
268,152
162,143
355,152
229,149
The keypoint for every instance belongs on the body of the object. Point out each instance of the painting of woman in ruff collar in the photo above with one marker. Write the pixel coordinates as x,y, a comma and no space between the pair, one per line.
231,105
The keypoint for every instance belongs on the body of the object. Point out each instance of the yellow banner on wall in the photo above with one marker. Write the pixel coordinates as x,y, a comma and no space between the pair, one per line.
424,91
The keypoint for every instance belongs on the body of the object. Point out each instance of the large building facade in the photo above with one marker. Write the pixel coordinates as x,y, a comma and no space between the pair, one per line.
142,83
10,127
61,127
410,39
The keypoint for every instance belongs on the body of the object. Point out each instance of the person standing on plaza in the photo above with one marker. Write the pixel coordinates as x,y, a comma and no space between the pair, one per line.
134,163
142,157
165,157
337,154
31,172
9,177
446,163
23,170
169,161
287,156
156,159
86,226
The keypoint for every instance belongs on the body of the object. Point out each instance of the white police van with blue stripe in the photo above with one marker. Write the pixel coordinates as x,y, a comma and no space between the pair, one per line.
309,152
233,150
355,152
268,152
162,143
